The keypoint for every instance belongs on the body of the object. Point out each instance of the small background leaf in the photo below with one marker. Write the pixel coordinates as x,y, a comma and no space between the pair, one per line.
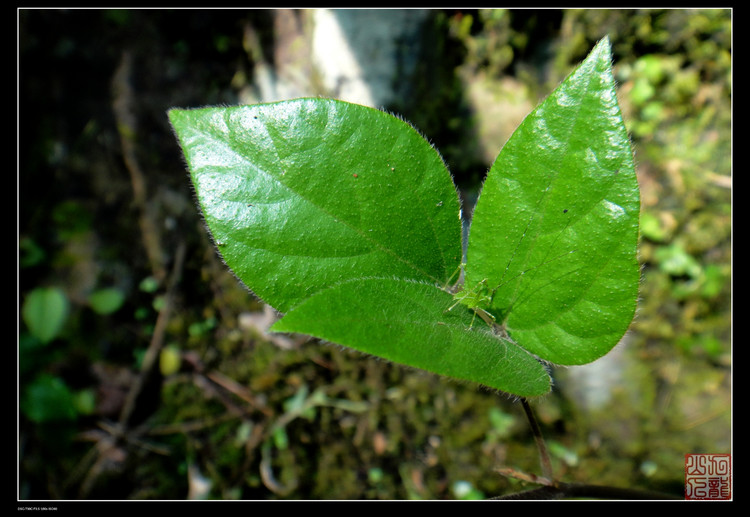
107,300
45,311
48,398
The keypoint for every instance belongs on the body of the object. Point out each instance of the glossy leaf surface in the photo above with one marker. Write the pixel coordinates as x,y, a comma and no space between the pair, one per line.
345,219
300,195
554,234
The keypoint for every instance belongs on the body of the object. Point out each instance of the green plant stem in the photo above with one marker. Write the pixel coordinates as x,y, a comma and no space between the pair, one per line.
543,453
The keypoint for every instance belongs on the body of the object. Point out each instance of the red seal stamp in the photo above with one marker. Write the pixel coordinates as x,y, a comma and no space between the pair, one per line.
708,477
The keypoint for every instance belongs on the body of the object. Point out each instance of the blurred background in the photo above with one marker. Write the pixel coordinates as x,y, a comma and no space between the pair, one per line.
144,370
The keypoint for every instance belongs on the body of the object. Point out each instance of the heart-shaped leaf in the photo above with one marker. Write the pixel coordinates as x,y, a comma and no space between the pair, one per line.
303,194
554,235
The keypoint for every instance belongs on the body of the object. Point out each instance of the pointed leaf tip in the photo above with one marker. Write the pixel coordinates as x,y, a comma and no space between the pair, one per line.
554,234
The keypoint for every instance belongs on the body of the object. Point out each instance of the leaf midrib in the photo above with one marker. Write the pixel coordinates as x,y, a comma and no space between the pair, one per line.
210,134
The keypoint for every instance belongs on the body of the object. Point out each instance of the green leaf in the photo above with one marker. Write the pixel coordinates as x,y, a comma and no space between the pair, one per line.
45,311
48,398
555,231
107,300
346,219
412,323
300,195
674,260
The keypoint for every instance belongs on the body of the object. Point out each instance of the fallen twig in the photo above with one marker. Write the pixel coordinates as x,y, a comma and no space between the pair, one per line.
122,106
151,357
584,491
